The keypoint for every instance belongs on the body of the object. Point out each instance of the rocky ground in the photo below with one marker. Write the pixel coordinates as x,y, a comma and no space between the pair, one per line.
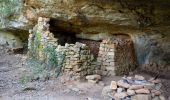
12,69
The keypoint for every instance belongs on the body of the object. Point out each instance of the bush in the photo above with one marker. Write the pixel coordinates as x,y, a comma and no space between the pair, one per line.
8,9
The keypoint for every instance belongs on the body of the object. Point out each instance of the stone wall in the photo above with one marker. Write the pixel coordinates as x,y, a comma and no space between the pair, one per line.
75,59
117,56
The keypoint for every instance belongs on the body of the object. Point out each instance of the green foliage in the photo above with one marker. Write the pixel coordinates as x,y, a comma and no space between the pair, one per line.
54,59
8,8
35,46
48,65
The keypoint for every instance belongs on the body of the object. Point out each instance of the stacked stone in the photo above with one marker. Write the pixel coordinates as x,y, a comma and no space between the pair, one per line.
116,57
77,59
106,57
134,88
124,55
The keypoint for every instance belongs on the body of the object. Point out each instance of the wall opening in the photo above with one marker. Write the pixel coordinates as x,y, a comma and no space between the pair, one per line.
92,44
62,31
66,33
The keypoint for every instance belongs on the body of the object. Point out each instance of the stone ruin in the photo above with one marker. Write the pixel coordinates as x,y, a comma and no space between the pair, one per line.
134,88
78,61
117,56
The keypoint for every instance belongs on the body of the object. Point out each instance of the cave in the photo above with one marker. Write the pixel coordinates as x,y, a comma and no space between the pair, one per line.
66,33
92,44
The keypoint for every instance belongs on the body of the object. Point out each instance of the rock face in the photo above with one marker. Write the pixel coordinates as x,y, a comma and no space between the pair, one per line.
146,22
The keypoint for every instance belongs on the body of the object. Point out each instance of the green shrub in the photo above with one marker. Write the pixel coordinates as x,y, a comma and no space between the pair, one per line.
8,9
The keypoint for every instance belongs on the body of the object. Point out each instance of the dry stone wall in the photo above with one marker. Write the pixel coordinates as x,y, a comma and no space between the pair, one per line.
116,56
77,58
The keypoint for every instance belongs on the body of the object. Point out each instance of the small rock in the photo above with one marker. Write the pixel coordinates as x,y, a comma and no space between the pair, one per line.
141,97
162,97
130,78
123,84
101,83
135,87
113,85
130,92
149,85
142,91
75,89
120,95
119,90
93,77
156,92
139,77
92,81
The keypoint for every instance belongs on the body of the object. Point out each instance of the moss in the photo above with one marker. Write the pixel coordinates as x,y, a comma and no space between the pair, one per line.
8,10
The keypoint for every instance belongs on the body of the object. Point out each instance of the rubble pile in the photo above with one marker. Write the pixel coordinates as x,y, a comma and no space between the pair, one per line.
134,88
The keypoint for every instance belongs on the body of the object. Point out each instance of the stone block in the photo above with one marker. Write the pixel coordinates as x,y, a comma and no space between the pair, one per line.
113,85
130,92
121,83
142,91
93,77
120,95
135,87
141,97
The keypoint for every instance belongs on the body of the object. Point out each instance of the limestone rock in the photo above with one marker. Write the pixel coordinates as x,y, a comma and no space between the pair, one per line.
130,92
156,92
120,95
141,97
149,85
119,90
113,85
93,77
135,87
92,81
142,91
139,77
123,84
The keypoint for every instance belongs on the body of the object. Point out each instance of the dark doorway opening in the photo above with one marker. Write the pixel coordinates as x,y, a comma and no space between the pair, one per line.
62,31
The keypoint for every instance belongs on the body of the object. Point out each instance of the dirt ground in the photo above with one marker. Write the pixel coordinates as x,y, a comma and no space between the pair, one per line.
12,69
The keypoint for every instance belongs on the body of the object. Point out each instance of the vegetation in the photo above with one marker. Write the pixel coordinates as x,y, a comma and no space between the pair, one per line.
8,9
46,64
